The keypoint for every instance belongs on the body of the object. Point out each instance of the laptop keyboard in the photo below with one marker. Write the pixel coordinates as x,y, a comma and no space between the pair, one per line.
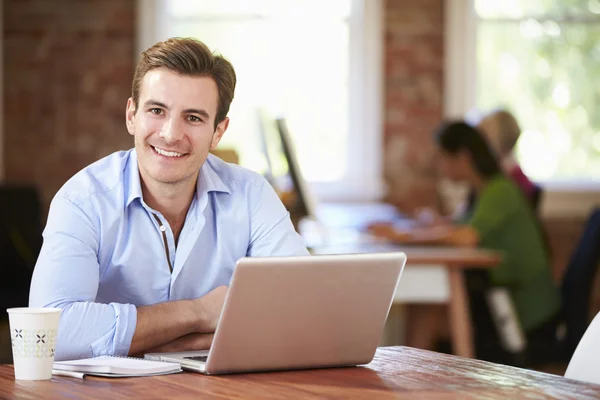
196,358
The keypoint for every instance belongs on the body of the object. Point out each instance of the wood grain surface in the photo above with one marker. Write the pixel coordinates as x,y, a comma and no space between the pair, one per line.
452,257
396,372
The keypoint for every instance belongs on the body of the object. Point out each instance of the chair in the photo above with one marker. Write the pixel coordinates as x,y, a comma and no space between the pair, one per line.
535,201
585,363
577,284
536,198
20,243
576,291
502,339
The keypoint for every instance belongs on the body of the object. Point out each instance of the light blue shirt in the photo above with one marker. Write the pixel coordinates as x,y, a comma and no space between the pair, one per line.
104,252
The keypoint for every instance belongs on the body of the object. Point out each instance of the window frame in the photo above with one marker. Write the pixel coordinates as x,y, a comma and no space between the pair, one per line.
363,180
575,197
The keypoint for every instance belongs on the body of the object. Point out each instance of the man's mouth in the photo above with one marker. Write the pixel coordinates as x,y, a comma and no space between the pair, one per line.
167,153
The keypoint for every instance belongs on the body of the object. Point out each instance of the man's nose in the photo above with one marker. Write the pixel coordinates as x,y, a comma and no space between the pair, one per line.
172,131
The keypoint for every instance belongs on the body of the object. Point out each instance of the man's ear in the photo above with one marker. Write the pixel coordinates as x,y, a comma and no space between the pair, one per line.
219,132
130,116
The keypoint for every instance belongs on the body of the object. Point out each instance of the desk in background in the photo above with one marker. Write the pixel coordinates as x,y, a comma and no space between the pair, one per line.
396,372
432,275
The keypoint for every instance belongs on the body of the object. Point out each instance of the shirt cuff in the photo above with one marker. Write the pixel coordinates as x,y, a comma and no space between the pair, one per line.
126,320
117,340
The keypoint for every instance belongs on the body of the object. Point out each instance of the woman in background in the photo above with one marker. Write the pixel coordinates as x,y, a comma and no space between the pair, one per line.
500,219
501,130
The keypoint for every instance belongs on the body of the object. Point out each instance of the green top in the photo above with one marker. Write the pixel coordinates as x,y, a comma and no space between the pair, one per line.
505,222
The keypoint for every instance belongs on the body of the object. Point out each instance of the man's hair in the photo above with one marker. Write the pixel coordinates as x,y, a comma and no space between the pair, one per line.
190,57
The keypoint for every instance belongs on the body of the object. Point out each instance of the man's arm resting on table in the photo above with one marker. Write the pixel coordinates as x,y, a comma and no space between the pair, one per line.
67,275
171,323
191,342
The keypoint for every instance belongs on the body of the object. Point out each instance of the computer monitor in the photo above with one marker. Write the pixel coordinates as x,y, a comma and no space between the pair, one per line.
305,202
281,161
344,221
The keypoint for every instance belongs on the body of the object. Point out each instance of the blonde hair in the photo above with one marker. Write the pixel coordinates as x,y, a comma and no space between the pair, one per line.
501,130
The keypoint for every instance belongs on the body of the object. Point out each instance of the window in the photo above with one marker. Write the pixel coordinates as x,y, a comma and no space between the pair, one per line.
541,59
305,60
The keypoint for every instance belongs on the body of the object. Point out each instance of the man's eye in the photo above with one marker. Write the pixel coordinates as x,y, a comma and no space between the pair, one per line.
193,118
156,111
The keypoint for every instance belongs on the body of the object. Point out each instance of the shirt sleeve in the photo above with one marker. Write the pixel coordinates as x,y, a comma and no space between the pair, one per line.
493,210
495,206
272,232
66,276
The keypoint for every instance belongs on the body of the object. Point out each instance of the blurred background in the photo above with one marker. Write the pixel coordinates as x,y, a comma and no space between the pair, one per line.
362,84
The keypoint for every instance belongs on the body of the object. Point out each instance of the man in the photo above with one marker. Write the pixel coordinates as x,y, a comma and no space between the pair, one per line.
140,246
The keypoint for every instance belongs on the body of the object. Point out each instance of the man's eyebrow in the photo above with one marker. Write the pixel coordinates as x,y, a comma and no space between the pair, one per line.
196,111
155,103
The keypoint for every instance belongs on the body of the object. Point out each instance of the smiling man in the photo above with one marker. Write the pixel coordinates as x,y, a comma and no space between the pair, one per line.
140,246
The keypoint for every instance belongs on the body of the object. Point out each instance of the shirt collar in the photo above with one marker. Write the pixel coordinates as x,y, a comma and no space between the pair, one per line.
132,173
208,179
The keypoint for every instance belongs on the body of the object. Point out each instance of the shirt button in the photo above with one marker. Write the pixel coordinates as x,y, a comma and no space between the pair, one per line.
162,228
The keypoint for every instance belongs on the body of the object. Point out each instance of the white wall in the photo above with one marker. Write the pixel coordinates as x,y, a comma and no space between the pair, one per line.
460,73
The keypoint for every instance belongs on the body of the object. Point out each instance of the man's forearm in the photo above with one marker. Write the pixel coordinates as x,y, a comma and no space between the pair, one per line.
191,342
162,323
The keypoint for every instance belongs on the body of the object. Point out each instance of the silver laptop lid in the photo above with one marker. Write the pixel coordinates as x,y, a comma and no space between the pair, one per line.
304,312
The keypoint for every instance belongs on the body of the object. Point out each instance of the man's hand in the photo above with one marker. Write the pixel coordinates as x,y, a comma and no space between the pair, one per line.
209,309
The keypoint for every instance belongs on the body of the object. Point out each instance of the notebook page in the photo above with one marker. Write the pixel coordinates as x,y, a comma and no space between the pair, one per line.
117,365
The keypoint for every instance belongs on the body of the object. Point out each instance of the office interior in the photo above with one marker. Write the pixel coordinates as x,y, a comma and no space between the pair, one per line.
360,85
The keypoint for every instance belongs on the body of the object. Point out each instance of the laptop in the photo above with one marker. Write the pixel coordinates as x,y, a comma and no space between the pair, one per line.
284,313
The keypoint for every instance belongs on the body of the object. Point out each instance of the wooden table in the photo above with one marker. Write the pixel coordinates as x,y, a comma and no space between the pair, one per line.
396,372
454,260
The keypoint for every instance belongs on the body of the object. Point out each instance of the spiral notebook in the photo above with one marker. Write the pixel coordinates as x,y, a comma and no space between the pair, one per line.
112,366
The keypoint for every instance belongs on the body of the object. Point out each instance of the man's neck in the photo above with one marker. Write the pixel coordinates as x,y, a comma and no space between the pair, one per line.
171,200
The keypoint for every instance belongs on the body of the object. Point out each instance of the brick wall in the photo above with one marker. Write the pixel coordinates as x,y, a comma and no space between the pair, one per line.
414,61
67,76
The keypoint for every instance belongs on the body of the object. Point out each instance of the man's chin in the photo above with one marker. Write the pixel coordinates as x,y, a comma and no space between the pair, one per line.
169,179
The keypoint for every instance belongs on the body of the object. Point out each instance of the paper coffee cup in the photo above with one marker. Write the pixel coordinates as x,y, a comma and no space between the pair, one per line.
33,333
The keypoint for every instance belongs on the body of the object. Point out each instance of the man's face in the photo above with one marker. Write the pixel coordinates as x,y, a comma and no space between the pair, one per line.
173,125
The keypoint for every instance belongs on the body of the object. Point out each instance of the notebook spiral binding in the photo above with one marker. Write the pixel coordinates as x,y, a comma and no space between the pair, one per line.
138,358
